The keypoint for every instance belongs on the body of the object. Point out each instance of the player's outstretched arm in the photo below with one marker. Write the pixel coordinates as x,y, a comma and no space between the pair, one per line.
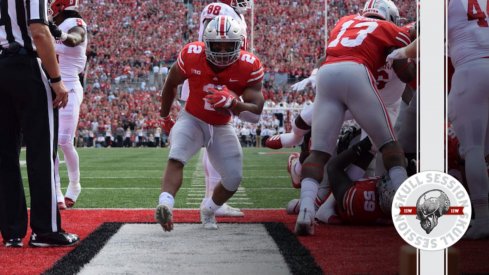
73,38
175,78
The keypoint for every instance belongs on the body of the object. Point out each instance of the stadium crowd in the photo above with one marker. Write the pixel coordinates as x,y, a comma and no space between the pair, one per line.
131,48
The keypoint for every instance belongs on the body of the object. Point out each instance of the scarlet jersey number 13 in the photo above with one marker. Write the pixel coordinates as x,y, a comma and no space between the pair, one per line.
364,28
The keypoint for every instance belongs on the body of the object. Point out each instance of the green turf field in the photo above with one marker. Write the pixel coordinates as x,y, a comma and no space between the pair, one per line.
130,178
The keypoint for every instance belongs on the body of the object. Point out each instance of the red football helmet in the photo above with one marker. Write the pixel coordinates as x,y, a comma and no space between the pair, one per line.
240,5
58,6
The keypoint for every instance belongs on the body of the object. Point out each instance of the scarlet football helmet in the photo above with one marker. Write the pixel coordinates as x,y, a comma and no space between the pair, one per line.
223,38
240,5
383,9
58,6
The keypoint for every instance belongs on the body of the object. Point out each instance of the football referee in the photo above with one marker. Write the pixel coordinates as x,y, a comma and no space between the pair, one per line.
30,91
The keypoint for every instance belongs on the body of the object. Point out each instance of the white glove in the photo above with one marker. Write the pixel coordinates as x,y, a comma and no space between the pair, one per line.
397,54
301,85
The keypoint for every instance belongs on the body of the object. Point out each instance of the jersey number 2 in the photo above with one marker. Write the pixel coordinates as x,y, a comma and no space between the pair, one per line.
474,12
364,29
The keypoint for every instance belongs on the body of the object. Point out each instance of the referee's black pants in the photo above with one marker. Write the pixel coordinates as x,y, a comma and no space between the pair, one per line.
26,111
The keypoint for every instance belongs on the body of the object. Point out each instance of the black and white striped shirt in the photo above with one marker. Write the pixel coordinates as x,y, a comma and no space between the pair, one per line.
16,15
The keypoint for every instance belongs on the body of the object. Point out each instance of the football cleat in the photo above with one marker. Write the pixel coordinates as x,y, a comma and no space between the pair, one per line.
293,206
164,217
227,211
53,239
296,179
479,229
14,242
208,219
274,142
304,225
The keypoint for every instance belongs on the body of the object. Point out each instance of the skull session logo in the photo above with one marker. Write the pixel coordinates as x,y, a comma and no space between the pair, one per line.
431,210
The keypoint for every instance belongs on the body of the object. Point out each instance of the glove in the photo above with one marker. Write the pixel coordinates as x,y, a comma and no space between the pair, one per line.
397,54
301,85
168,123
56,32
221,98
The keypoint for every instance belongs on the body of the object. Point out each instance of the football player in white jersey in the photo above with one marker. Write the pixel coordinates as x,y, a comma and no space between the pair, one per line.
234,9
70,32
468,101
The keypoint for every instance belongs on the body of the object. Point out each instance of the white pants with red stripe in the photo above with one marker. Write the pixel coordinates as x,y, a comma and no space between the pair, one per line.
348,86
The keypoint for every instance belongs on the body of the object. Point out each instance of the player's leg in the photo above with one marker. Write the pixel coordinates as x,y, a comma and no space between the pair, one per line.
469,92
187,138
300,127
59,194
407,133
68,121
212,180
372,116
326,125
226,155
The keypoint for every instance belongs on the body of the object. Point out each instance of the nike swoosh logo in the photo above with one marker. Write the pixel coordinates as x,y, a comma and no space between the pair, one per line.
223,99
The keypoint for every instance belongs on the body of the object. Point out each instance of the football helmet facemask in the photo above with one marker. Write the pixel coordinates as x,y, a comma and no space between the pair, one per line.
58,6
223,38
383,9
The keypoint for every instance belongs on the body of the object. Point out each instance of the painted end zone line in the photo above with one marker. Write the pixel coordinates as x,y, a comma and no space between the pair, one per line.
129,248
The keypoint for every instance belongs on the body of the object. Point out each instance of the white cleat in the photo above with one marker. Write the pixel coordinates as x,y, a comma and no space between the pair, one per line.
227,211
291,163
72,193
479,229
208,219
305,223
164,216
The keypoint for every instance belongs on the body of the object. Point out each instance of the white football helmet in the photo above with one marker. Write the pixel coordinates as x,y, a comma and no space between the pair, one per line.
383,9
223,29
239,5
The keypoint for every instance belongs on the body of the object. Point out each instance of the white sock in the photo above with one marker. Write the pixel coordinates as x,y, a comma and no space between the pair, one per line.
290,139
167,199
297,168
309,191
398,175
211,205
72,162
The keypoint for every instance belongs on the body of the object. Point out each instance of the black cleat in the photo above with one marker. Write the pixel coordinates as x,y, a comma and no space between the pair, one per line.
53,239
14,242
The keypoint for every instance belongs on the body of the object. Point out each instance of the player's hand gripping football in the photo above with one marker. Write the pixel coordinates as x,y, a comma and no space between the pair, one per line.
168,123
221,98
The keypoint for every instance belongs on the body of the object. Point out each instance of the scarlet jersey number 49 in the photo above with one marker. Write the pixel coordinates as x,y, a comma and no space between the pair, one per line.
474,12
